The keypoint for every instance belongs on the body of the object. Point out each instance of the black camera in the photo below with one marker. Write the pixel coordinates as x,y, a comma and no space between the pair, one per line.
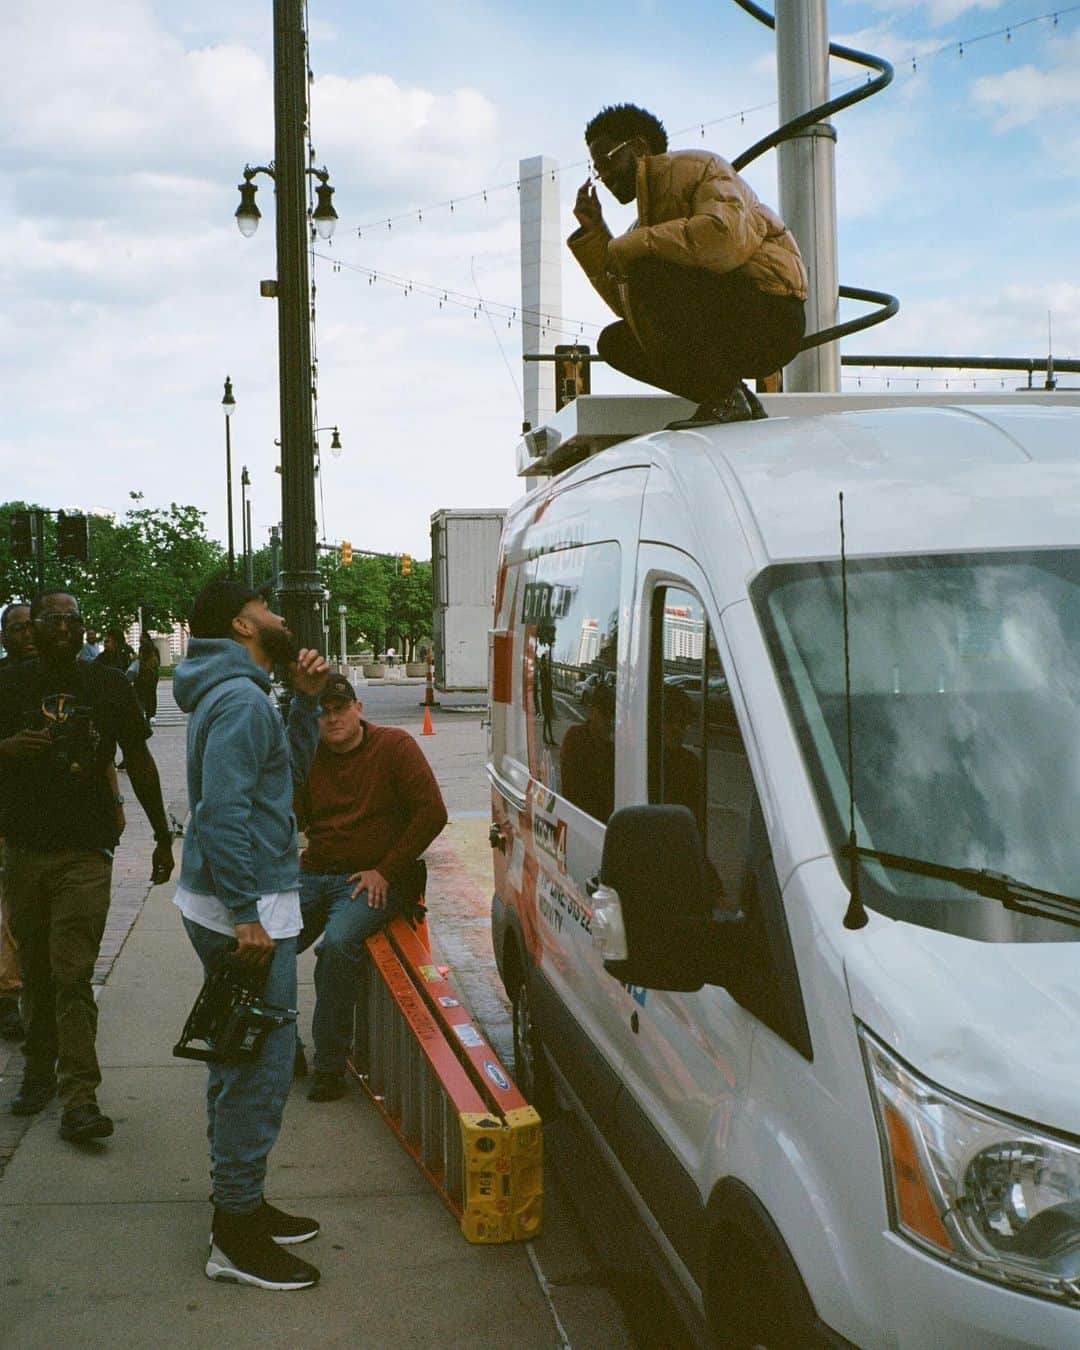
229,1017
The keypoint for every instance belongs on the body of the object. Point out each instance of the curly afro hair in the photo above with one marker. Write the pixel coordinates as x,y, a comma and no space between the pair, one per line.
624,121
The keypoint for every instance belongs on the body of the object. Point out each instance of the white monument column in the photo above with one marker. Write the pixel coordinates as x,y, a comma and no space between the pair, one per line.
541,281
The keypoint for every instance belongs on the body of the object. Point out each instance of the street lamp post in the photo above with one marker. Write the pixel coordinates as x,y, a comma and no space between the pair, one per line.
301,584
228,404
342,610
245,523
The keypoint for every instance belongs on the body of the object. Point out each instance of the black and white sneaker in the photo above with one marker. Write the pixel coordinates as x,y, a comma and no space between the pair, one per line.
287,1229
757,409
733,407
243,1252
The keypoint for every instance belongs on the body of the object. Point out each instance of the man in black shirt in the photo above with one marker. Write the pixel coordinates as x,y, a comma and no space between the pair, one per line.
60,722
17,633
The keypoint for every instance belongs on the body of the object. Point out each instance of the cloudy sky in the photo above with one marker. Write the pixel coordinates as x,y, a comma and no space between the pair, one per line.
128,293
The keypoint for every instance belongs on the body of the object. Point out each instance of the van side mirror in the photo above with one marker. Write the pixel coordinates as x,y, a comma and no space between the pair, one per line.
651,911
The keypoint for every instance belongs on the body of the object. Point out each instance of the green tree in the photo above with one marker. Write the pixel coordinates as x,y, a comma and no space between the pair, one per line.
180,560
363,588
155,557
410,617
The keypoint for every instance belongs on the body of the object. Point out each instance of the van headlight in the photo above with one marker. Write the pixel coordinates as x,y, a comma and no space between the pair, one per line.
997,1196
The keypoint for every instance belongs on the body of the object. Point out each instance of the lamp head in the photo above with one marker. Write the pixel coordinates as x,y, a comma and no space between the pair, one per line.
324,215
247,213
228,403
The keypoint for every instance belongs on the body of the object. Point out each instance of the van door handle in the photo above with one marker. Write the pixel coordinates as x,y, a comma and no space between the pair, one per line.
592,885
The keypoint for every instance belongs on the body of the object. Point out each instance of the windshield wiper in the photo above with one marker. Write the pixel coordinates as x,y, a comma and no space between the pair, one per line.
1013,894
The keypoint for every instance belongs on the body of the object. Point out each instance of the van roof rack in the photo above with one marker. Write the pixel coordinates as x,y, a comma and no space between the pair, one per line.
592,422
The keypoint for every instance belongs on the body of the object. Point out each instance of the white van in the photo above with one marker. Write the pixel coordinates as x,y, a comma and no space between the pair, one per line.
836,1134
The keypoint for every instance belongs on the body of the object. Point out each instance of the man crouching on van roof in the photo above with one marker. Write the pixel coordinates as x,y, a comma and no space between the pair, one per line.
708,283
370,806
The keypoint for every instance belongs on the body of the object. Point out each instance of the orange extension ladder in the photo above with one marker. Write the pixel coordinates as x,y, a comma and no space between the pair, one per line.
440,1087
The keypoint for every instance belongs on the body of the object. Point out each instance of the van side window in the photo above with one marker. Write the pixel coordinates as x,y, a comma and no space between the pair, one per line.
570,616
509,719
696,754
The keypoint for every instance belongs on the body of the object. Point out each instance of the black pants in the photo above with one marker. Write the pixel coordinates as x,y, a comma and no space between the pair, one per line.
701,332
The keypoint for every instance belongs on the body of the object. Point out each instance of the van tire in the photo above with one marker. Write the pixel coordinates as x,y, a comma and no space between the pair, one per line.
531,1073
756,1296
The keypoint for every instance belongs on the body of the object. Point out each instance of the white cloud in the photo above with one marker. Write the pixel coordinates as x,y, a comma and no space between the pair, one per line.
937,12
1032,93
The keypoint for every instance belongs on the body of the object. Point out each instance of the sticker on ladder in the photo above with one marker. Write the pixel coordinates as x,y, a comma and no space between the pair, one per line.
468,1035
449,1002
496,1075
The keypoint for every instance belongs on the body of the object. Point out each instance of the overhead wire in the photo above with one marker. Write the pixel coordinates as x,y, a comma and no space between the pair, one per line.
956,46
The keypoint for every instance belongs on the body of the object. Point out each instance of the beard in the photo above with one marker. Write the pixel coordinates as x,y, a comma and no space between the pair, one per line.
279,644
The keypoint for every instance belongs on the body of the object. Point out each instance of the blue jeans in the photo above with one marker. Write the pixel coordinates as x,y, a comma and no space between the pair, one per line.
244,1102
328,908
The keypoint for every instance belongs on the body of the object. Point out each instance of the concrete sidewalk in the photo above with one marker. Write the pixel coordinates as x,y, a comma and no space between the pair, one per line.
104,1244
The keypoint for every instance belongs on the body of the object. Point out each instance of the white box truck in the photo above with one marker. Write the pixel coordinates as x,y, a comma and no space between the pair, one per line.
464,559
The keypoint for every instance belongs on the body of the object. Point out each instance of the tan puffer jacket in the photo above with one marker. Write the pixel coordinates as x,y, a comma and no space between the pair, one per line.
694,210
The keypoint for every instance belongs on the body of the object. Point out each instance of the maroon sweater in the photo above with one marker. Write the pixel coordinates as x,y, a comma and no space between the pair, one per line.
376,806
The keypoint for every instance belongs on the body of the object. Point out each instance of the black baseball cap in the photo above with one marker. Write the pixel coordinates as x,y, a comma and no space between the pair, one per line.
216,605
337,688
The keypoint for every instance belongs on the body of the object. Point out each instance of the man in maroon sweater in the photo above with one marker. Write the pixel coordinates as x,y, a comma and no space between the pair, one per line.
370,808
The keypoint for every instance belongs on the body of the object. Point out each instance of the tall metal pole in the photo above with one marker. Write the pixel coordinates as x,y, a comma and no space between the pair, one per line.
342,612
249,559
808,181
245,524
39,548
301,584
228,496
275,556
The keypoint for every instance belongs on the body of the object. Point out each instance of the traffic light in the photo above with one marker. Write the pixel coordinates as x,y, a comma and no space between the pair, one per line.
406,564
21,526
572,372
346,553
72,538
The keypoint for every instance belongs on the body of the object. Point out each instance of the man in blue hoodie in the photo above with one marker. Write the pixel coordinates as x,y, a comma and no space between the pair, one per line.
239,894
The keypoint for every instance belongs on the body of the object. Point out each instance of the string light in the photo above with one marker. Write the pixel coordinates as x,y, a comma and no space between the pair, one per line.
444,297
954,46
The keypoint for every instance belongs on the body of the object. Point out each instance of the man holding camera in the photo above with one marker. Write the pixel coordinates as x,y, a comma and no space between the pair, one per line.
239,897
61,720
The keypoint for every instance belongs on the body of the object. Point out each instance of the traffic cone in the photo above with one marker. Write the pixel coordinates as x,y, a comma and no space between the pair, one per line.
428,729
429,700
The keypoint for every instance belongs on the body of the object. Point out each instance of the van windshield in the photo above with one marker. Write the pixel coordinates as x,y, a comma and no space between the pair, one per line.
965,711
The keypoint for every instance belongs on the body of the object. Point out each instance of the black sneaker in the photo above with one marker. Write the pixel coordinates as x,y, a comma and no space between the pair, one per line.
243,1252
82,1123
34,1096
11,1023
287,1229
757,409
327,1087
300,1064
733,408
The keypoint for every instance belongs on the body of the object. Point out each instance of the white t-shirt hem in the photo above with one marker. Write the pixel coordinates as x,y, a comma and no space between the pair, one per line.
279,913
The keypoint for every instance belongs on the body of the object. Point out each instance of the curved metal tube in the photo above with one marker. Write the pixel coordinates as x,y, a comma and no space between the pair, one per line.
889,303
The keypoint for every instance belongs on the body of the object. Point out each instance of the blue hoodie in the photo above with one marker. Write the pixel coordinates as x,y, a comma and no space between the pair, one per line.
242,767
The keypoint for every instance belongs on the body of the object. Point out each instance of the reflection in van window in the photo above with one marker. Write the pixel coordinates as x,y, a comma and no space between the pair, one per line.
569,615
697,758
965,708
